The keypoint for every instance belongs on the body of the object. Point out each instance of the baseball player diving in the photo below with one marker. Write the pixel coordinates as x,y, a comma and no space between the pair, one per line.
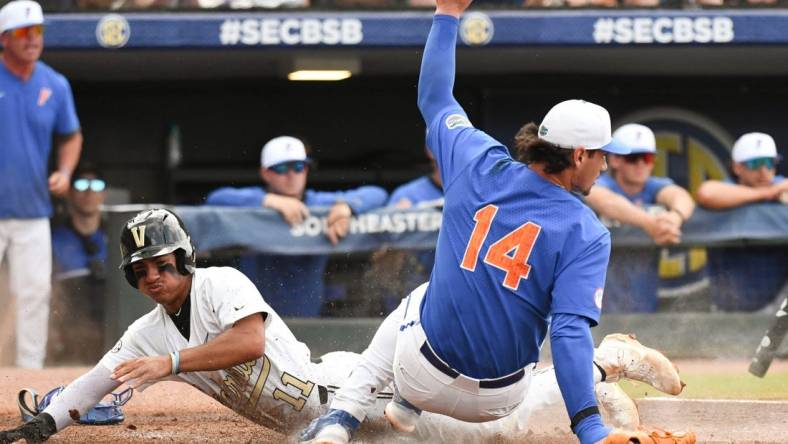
517,252
213,330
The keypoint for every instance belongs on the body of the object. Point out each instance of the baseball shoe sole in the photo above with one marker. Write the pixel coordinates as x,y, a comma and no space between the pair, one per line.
401,418
622,355
620,408
331,434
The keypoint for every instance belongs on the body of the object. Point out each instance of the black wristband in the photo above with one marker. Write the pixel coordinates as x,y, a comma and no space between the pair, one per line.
602,371
583,414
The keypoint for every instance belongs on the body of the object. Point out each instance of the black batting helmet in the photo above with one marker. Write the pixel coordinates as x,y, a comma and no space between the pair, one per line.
154,233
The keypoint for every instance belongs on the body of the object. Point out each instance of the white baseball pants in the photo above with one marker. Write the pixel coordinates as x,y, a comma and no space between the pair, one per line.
27,246
428,388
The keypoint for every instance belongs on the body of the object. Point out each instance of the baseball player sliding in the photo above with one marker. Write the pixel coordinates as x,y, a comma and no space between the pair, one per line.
213,330
517,252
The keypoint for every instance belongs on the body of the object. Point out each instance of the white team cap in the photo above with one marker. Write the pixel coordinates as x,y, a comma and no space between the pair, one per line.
577,123
638,138
19,14
753,146
282,149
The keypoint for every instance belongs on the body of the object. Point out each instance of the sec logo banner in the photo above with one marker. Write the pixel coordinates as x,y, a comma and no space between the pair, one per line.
476,29
113,31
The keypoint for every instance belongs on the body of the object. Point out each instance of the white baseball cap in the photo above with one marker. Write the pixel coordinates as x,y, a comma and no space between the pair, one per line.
282,149
19,14
753,146
576,123
638,138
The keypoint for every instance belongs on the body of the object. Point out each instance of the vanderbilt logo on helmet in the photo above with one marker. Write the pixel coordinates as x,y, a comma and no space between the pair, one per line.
139,235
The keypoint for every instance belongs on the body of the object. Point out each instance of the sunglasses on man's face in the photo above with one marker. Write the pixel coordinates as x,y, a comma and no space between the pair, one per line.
27,31
96,185
282,168
637,157
756,164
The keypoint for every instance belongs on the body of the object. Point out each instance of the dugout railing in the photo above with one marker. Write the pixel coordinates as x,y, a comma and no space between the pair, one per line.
221,234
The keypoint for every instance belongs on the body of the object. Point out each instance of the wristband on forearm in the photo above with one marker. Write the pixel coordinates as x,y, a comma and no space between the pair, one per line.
175,358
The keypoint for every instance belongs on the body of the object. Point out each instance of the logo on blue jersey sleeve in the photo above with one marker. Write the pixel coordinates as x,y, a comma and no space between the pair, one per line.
598,295
457,121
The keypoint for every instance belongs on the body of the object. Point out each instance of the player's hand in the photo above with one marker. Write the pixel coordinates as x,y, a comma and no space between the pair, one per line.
403,203
338,222
452,7
672,218
143,370
663,231
778,191
59,183
293,211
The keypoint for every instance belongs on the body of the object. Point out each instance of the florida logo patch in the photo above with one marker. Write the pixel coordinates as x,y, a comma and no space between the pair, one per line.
457,121
598,295
44,95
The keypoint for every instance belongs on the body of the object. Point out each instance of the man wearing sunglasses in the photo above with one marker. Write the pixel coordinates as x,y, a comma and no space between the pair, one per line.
293,285
79,248
623,196
747,278
36,104
754,164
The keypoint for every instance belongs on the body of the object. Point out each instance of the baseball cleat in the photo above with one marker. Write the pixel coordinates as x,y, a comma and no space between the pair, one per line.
335,427
620,408
622,355
401,414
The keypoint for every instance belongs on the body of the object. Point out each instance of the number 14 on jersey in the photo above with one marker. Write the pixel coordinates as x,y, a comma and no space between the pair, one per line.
521,240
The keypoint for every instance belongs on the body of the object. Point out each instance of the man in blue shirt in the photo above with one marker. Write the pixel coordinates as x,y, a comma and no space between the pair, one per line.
35,104
293,285
79,248
747,278
424,191
517,252
626,195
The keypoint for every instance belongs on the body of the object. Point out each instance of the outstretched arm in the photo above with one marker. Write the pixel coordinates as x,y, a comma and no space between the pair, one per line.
614,206
436,80
720,195
573,356
244,341
80,396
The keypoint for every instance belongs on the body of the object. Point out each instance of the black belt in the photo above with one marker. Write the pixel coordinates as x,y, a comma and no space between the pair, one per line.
484,383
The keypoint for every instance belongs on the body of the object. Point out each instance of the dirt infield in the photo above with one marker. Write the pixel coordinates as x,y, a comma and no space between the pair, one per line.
176,413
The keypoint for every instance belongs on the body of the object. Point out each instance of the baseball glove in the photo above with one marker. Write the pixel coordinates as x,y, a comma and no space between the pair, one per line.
653,437
35,431
103,413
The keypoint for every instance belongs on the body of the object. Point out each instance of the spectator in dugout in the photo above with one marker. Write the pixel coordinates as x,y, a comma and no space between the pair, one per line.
293,285
79,248
749,278
628,194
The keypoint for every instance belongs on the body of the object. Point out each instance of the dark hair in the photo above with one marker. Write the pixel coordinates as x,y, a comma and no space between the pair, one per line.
87,167
531,149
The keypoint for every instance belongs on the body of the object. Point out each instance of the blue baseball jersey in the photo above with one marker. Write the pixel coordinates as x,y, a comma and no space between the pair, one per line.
31,112
513,249
646,196
70,254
